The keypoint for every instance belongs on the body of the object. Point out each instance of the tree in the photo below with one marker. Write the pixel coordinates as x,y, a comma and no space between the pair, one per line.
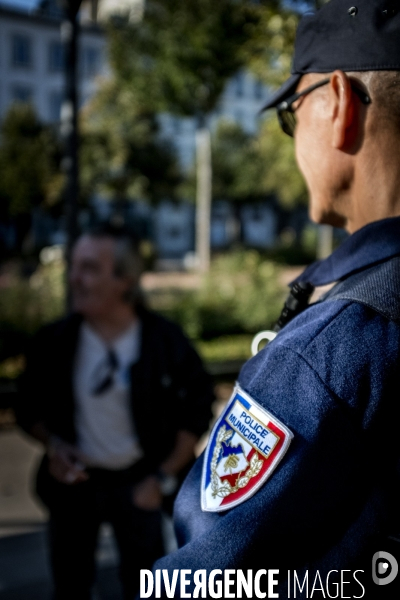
180,54
178,59
269,50
246,165
281,175
121,153
29,167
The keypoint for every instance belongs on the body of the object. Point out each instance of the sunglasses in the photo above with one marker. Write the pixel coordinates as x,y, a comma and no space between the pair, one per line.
286,111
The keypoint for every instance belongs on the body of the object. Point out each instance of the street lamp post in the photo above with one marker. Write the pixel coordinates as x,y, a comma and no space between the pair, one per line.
69,123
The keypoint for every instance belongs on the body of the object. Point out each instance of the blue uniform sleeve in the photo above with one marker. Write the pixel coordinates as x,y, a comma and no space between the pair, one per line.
322,503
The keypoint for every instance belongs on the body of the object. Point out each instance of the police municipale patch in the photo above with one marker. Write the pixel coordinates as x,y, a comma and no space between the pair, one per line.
244,448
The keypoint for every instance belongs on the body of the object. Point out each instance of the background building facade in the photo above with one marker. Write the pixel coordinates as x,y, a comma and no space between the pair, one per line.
32,60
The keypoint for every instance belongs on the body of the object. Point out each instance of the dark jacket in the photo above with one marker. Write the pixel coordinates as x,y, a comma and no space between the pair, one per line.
170,390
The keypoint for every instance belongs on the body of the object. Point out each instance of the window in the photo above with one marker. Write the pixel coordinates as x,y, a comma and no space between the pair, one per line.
239,85
56,57
258,90
55,103
176,125
175,232
21,51
21,93
90,61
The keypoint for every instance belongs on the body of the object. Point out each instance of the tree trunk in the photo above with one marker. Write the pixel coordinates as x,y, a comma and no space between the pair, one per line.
69,126
203,197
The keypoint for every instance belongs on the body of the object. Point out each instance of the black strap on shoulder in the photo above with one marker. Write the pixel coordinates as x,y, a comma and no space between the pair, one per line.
378,288
296,302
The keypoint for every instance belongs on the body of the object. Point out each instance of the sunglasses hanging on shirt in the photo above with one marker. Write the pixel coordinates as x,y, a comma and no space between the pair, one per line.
105,373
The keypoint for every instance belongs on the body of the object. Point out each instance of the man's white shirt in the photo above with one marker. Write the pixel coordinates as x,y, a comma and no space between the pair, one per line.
104,422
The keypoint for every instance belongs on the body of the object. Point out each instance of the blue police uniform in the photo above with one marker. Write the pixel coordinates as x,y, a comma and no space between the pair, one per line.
328,383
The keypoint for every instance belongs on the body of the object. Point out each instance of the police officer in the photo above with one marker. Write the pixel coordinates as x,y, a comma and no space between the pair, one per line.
301,471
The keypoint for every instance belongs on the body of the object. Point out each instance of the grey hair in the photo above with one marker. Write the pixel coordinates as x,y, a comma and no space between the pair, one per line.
384,89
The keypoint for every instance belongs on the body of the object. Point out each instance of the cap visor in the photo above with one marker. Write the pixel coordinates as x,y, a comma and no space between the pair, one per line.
286,90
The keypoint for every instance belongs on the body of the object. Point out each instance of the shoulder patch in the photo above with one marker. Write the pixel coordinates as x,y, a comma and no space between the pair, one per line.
245,446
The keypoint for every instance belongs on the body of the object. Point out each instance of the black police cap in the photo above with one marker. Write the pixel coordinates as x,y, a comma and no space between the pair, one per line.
350,35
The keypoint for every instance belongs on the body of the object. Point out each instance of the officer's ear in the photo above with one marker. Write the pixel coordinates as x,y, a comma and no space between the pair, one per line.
342,110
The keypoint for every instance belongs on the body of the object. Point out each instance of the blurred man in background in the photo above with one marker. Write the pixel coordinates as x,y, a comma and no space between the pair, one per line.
119,398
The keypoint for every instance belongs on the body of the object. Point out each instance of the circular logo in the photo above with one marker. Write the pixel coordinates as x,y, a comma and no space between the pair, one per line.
384,568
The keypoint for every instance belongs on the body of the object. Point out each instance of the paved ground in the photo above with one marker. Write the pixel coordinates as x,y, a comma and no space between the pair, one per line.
24,571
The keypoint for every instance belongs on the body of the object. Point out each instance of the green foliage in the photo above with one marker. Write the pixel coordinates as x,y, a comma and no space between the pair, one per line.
235,165
226,347
246,166
310,240
281,175
28,303
269,50
177,57
238,166
29,158
270,46
121,154
249,166
241,294
180,54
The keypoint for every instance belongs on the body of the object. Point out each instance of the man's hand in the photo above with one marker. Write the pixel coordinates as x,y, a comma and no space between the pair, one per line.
147,494
65,462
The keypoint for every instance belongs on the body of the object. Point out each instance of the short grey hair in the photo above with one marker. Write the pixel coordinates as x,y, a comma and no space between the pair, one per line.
384,89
